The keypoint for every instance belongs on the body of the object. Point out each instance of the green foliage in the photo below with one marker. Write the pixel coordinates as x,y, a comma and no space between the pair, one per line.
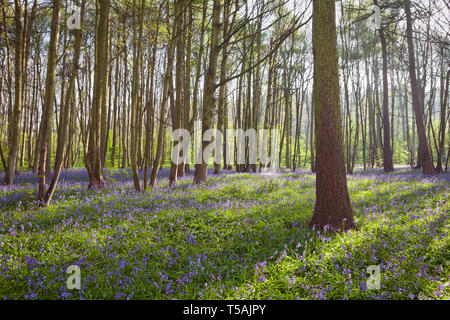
236,237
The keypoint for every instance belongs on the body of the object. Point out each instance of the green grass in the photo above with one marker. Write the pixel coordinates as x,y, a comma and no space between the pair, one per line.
237,237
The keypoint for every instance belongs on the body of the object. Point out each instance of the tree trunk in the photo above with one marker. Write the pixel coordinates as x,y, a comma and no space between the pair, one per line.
424,151
333,207
94,160
60,150
105,102
179,76
162,115
150,107
48,100
221,110
137,45
387,151
201,170
441,135
18,86
187,79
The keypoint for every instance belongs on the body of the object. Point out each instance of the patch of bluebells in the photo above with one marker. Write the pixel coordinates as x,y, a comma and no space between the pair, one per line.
238,236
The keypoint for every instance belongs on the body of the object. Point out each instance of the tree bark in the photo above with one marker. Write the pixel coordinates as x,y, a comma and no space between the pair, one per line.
333,207
442,127
60,150
48,100
201,170
424,151
137,47
387,151
18,86
150,106
94,159
221,110
162,115
179,77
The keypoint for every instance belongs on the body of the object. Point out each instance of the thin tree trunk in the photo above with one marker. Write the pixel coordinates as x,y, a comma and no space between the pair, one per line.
93,161
60,151
221,110
441,135
137,45
424,150
178,119
387,151
150,107
162,115
48,100
201,170
18,86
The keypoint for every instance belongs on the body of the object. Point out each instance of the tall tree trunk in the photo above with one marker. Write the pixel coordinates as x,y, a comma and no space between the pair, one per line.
387,151
150,106
94,160
221,110
48,99
117,79
189,18
18,86
441,135
201,170
70,95
124,102
105,101
162,114
333,207
137,47
178,118
424,151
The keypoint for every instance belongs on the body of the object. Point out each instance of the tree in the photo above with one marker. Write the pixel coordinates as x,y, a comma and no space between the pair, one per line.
18,86
137,48
93,161
201,170
165,98
441,134
221,122
60,150
387,151
333,207
48,99
177,121
150,104
424,151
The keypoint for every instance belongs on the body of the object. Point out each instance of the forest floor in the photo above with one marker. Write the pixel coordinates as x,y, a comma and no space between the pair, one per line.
239,236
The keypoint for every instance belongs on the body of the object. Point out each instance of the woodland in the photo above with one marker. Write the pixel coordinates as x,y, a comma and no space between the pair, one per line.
92,92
